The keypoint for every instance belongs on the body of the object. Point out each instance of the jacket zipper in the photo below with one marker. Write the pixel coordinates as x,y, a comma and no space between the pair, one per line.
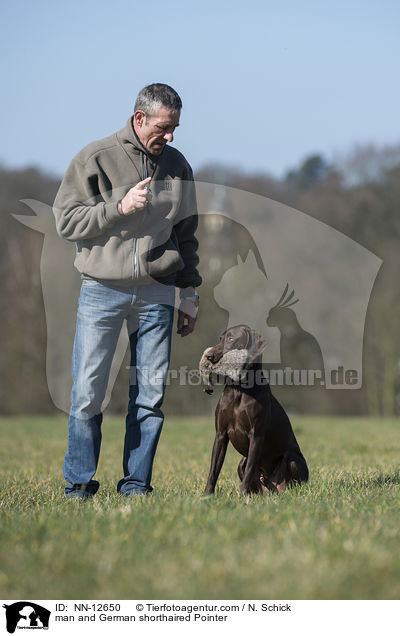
135,240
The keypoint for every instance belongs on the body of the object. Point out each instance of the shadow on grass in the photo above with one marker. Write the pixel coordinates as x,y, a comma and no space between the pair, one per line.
366,481
387,479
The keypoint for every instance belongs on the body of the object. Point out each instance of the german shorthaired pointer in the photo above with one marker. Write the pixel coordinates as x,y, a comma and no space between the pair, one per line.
252,419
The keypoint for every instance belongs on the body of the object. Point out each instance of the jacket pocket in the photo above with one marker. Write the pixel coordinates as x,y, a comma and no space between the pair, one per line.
162,260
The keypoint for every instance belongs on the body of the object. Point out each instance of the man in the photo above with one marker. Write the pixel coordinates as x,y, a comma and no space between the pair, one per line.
129,203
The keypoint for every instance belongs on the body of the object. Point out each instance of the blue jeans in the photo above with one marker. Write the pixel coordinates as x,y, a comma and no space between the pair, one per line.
148,311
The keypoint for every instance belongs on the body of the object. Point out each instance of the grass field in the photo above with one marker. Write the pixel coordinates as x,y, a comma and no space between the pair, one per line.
335,538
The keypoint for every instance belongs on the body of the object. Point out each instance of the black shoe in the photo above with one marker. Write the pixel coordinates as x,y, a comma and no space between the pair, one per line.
82,491
128,490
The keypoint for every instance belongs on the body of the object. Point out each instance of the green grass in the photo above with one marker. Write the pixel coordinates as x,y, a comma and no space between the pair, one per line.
335,538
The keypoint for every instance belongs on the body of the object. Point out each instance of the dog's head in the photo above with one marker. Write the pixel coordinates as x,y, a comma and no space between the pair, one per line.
238,349
238,337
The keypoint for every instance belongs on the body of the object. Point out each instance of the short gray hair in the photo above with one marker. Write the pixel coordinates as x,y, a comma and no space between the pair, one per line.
154,96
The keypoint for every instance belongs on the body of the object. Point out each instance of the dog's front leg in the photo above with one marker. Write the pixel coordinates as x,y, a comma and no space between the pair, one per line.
217,459
255,448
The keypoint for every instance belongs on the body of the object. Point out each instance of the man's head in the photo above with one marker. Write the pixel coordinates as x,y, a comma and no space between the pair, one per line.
157,112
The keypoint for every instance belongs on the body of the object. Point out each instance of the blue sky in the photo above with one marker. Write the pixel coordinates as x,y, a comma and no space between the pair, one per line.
263,83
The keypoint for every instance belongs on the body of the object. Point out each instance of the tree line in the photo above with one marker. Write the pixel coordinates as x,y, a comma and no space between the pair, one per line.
358,195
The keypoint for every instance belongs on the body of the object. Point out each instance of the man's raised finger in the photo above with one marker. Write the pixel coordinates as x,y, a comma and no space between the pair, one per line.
142,184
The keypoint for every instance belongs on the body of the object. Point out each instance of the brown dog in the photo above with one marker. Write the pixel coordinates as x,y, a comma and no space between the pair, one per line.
251,418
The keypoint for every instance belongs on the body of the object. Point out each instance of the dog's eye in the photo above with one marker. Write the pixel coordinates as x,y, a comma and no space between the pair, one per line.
230,338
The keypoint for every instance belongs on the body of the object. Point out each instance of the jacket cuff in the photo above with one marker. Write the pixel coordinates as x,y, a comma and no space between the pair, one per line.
111,213
184,292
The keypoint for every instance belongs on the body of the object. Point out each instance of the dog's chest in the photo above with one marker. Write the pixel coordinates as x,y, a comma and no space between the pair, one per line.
234,420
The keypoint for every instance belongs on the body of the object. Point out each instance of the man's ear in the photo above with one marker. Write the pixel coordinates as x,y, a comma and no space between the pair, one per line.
257,344
140,118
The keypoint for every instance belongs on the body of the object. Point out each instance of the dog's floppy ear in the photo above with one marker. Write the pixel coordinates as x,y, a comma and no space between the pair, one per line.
256,345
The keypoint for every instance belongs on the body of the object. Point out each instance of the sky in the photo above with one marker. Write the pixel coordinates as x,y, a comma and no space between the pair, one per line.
264,84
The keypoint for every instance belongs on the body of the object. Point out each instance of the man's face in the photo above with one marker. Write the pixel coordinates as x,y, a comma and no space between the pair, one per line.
155,131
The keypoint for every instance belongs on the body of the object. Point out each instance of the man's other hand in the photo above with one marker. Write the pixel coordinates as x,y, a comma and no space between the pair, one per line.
187,314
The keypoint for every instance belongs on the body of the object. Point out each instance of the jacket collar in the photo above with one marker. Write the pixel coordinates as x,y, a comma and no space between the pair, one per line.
132,143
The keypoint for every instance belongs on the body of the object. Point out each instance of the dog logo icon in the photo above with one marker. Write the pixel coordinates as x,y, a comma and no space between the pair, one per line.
26,615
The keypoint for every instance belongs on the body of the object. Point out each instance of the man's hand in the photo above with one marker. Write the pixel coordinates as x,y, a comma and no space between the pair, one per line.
136,198
187,314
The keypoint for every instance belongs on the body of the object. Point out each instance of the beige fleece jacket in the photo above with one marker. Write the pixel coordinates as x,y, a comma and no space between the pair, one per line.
155,243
